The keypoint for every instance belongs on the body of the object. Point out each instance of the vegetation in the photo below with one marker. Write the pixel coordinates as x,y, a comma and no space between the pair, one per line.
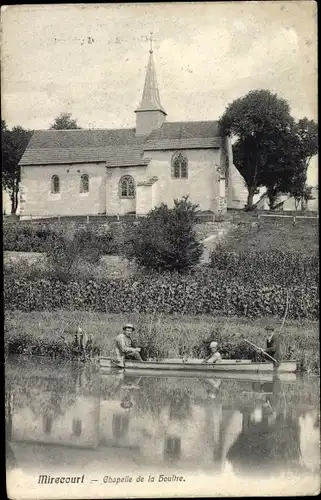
14,143
279,267
166,240
274,236
90,241
271,149
164,335
64,122
169,293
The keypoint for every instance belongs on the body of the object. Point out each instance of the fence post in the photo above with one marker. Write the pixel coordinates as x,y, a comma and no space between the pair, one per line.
87,217
294,220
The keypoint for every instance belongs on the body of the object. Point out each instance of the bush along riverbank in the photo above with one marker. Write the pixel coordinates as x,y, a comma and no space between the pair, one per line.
168,293
162,336
76,347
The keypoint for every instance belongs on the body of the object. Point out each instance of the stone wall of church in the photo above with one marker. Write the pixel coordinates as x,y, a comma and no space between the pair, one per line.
37,199
201,185
114,203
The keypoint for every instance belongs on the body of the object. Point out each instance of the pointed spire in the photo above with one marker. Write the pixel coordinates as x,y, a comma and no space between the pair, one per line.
151,42
151,100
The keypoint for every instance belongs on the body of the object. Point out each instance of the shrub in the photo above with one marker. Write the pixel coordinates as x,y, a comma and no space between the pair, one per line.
22,237
165,239
91,245
63,254
92,240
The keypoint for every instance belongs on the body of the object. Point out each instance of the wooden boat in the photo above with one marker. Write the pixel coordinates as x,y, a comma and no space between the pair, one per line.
261,377
196,365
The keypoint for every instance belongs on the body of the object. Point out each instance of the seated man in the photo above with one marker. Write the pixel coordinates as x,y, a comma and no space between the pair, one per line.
124,348
214,355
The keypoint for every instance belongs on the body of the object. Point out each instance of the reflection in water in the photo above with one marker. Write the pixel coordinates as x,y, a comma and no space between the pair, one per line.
172,448
203,424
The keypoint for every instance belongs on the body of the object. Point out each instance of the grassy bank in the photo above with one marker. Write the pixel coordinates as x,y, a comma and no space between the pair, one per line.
274,235
164,335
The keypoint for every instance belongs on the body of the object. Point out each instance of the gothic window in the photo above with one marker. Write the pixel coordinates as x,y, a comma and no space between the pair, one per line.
55,184
179,166
76,427
84,183
127,187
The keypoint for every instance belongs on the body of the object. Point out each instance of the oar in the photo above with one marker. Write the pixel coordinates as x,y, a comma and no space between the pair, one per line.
262,350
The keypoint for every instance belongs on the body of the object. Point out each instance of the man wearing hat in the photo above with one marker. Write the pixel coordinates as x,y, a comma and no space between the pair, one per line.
273,343
124,348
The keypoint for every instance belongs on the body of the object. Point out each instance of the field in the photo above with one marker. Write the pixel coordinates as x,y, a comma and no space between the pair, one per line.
168,335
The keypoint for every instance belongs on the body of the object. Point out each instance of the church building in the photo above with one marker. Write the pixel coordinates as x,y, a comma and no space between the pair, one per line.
130,170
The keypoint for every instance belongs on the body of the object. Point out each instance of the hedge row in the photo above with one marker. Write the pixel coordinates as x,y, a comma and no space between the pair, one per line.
170,294
276,267
24,237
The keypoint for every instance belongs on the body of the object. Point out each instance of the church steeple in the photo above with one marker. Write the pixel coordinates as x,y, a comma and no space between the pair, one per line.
150,114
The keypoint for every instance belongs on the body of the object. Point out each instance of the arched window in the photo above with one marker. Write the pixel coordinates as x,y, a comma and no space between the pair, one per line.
179,166
55,184
84,183
127,187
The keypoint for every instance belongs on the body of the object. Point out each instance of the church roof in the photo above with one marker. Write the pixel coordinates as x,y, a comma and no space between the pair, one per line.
184,135
116,147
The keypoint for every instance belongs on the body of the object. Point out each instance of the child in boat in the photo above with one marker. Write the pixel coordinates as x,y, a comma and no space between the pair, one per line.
214,355
124,347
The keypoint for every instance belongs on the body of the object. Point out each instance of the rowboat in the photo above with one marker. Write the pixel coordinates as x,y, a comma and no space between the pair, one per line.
287,378
196,365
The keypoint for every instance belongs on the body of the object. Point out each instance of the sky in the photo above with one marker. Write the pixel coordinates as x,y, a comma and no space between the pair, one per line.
90,59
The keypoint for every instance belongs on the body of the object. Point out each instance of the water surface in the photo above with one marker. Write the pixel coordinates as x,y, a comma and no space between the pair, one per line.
208,436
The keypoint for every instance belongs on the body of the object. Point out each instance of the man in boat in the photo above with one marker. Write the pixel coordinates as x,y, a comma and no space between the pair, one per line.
214,355
272,348
273,345
124,348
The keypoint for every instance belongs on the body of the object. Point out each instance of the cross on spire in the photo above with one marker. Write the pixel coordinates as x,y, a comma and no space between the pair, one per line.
151,42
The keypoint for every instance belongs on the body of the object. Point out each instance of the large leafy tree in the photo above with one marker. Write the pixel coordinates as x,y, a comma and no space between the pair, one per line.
14,143
64,122
304,148
270,149
165,239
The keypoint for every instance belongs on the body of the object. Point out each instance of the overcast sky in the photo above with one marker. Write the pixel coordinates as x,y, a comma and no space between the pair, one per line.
90,60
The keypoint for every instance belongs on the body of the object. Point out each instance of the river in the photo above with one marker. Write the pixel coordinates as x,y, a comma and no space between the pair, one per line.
122,435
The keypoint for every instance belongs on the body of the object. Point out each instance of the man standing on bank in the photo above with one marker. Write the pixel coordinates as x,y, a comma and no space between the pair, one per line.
124,347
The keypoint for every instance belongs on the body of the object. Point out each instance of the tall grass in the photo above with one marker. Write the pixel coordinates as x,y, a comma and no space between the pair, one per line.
166,336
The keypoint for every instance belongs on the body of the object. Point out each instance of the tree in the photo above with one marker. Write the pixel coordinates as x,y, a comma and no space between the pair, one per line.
165,239
305,147
64,122
14,143
262,125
